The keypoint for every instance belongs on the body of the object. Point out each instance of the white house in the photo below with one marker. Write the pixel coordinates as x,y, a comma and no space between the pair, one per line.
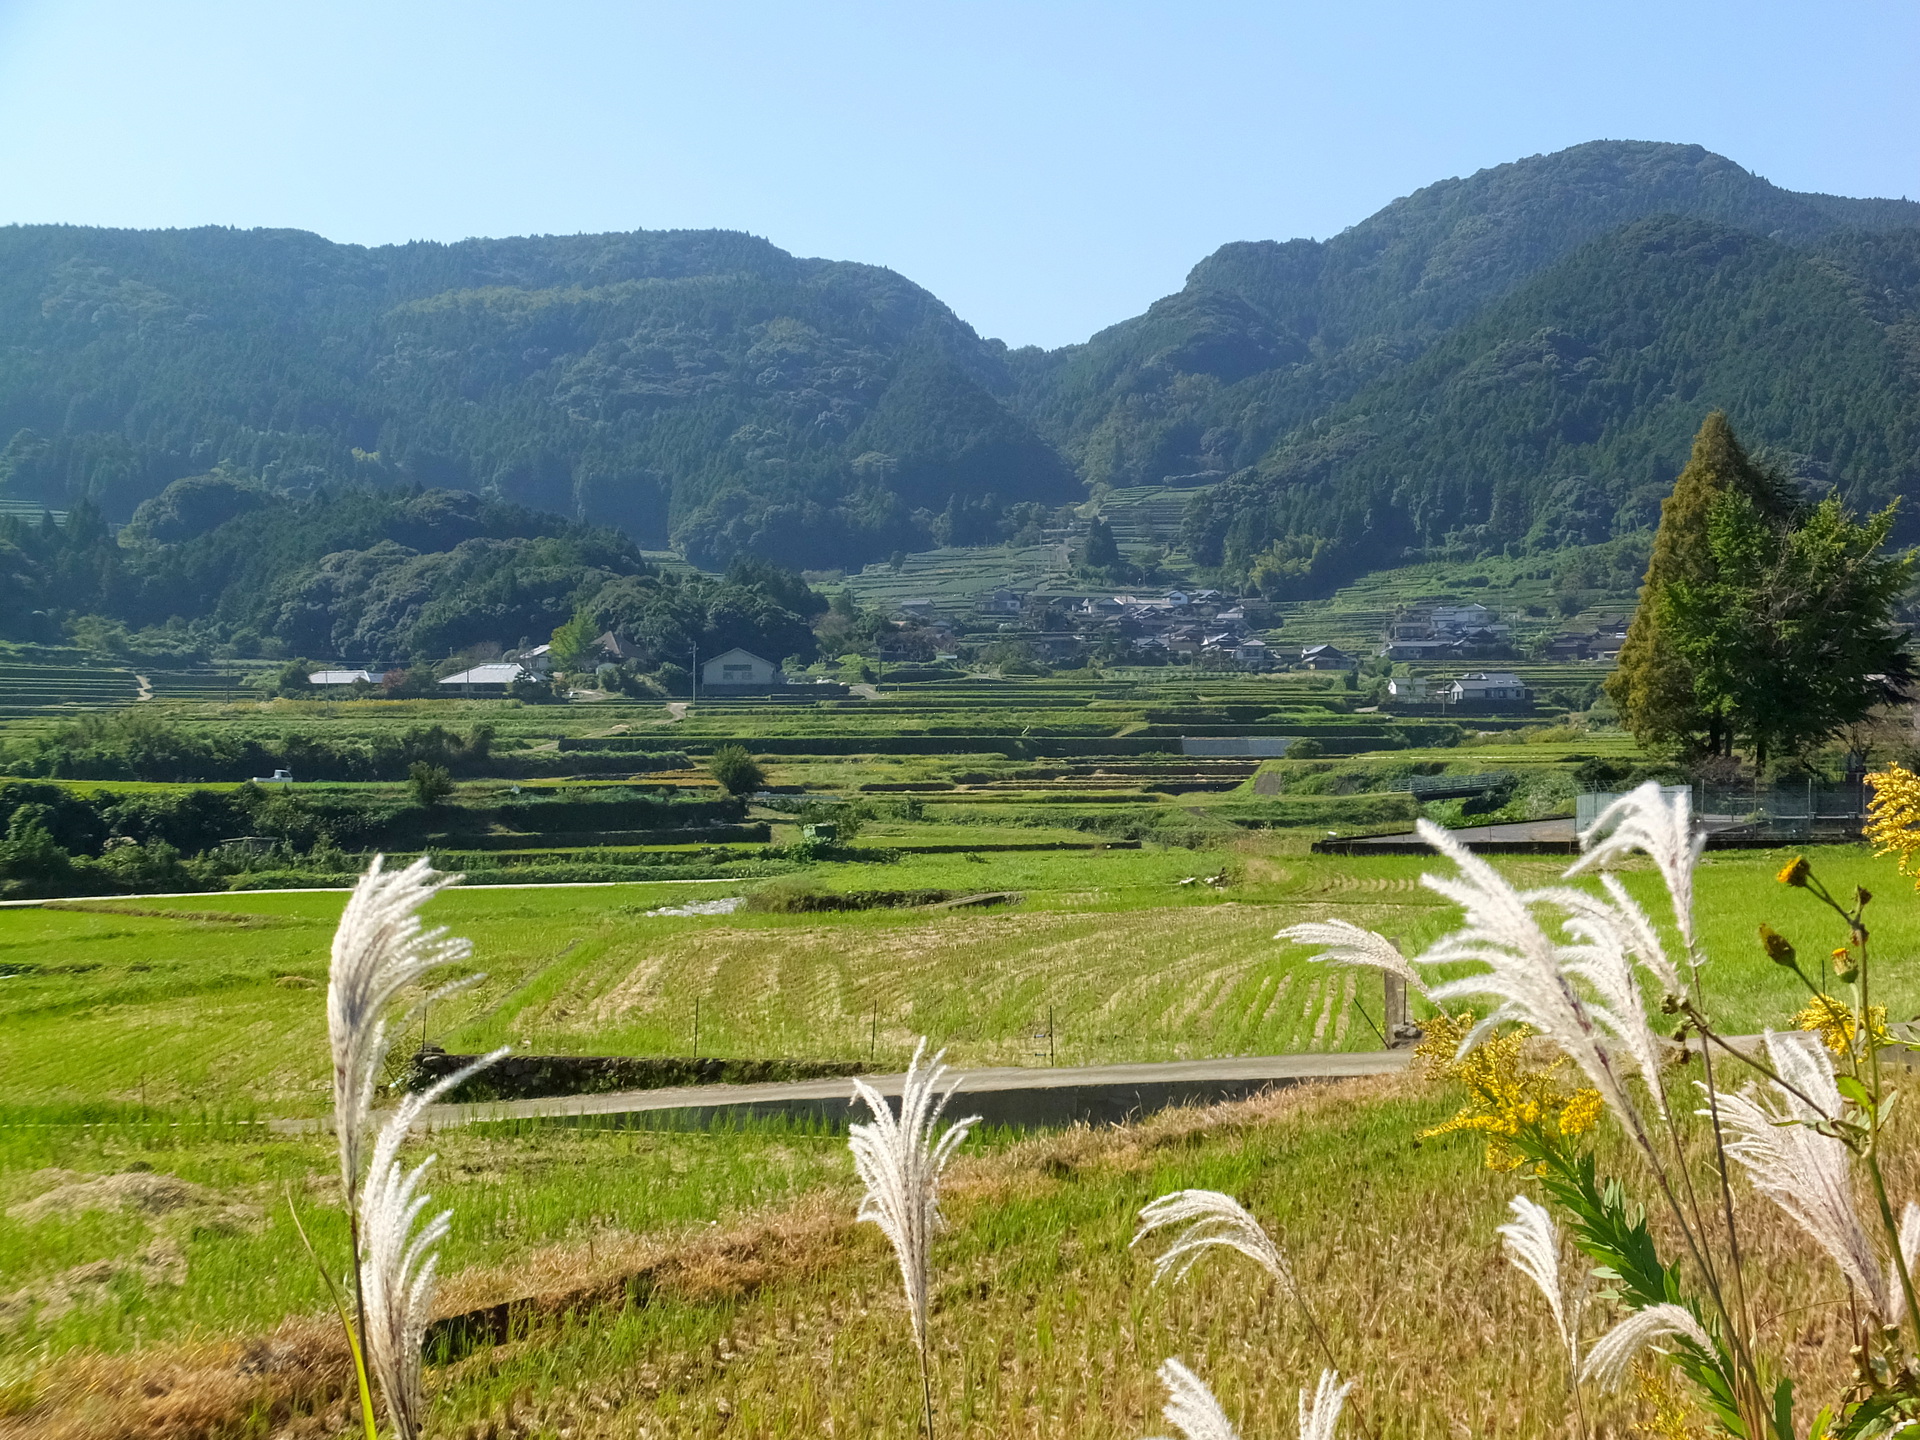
342,677
490,679
1485,685
1407,687
739,667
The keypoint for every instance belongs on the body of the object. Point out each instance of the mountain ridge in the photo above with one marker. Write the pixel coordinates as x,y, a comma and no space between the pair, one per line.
710,390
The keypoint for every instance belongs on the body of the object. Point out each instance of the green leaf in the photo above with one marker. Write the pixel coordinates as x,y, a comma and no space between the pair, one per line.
1851,1087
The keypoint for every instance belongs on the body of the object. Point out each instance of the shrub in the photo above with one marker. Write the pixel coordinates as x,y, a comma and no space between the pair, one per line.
1308,749
735,770
430,783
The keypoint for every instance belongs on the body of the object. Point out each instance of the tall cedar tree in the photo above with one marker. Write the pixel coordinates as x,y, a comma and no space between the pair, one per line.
1762,623
1654,685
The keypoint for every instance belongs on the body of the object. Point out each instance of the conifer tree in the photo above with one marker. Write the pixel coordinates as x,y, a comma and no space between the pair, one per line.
1654,684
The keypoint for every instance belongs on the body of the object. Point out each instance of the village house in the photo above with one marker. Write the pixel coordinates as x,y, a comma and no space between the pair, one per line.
1482,687
738,668
490,679
1408,689
1327,657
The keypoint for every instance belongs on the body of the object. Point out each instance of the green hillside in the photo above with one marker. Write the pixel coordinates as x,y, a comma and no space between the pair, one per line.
1560,414
694,384
1267,336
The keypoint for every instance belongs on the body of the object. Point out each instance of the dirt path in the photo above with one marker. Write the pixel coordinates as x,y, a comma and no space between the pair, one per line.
146,688
677,709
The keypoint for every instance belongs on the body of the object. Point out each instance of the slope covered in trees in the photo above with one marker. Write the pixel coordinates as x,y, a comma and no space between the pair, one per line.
700,385
378,575
1267,336
1560,414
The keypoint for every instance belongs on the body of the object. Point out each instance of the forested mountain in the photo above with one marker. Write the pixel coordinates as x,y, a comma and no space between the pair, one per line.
698,384
1267,336
1555,416
1516,358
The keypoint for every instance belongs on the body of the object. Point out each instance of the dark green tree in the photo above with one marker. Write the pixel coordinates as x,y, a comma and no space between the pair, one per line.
574,646
1790,640
1101,551
1653,686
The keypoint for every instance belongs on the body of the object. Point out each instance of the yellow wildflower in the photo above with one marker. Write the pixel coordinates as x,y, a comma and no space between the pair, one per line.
1893,816
1505,1094
1667,1416
1795,872
1582,1111
1836,1024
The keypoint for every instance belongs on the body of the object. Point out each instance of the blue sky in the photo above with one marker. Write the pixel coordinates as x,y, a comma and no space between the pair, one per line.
1045,168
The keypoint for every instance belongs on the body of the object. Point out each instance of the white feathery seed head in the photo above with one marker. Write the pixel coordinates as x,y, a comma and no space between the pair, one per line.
1531,977
1319,1415
899,1162
1191,1408
1661,827
1602,956
379,949
1347,944
398,1264
1807,1174
1532,1243
1614,1352
1213,1221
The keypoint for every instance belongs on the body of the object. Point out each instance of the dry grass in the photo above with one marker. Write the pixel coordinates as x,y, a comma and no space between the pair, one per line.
788,1322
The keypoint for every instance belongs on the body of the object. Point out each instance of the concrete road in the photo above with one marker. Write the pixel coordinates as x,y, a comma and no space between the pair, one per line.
1012,1095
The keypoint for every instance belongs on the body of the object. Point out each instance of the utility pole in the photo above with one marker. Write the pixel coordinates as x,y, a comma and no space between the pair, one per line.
696,676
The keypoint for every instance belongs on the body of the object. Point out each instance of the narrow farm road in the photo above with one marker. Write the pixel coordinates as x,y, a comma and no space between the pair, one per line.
1006,1095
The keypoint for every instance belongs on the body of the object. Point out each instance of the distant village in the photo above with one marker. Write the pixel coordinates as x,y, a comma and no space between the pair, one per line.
1205,628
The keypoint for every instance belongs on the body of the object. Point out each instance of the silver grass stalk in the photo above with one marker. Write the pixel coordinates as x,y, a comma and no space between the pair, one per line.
1614,1352
1191,1408
1805,1173
1660,827
397,1271
1526,974
1322,1413
1532,1243
900,1163
1603,957
1909,1249
379,949
1348,944
1213,1221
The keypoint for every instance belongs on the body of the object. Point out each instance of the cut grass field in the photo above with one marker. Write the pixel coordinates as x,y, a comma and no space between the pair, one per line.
218,1001
700,1284
782,1318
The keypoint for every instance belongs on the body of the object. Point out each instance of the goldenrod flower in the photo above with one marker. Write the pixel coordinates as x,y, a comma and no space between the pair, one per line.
1836,1024
1505,1094
1795,872
1893,816
1582,1112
